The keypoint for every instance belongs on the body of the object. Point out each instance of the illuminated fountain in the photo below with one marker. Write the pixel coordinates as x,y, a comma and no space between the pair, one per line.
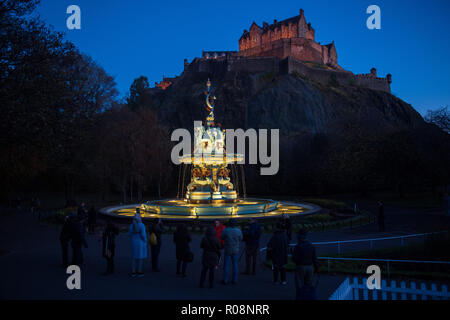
211,192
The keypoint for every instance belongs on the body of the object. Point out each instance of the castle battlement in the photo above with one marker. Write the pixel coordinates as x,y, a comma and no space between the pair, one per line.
286,46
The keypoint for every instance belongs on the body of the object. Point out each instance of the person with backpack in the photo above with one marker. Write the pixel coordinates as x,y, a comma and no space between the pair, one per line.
138,238
156,231
278,248
251,239
304,256
183,252
232,237
211,252
109,246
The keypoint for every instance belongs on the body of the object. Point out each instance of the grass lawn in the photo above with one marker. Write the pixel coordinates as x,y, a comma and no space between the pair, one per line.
435,248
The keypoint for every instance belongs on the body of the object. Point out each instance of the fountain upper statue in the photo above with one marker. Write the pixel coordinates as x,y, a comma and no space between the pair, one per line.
210,181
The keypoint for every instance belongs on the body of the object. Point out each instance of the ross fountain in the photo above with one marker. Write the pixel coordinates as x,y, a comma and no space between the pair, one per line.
211,193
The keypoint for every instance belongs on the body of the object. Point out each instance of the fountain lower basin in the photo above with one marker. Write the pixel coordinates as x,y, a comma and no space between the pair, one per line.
178,209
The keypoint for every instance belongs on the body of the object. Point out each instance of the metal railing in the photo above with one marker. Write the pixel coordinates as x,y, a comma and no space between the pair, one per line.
387,261
371,241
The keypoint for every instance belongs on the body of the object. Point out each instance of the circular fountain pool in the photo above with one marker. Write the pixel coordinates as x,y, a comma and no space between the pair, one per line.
178,209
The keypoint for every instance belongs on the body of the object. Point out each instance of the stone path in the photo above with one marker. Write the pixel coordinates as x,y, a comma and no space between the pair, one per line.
31,268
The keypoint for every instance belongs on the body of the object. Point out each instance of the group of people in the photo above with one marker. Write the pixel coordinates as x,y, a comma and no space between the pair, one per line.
73,232
220,245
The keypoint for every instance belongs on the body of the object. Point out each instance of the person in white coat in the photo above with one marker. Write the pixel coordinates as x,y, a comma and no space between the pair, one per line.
138,237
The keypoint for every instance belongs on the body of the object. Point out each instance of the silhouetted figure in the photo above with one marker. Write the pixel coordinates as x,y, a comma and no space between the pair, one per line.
109,246
138,238
286,225
232,237
64,238
92,219
158,229
78,240
82,214
304,256
251,239
37,207
211,252
181,237
278,247
219,227
381,223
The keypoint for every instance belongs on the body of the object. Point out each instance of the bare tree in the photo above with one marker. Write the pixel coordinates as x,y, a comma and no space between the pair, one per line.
439,117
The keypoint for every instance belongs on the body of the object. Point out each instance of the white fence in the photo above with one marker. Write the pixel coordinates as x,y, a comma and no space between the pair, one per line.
356,290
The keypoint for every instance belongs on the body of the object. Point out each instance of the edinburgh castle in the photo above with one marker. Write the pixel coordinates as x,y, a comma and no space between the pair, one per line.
286,46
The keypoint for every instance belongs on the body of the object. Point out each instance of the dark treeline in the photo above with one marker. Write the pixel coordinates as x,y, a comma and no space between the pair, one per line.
62,126
64,129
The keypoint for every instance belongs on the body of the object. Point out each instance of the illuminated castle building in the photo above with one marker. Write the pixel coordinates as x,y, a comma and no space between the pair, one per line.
284,47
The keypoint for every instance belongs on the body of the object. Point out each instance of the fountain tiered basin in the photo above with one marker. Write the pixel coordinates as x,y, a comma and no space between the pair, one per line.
213,186
179,209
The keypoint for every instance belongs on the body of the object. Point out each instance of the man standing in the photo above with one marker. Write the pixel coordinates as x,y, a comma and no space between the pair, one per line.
304,256
232,236
92,219
278,249
286,225
78,240
251,239
82,214
158,229
381,216
64,237
109,246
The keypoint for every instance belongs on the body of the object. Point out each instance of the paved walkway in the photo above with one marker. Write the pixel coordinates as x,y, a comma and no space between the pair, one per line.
31,268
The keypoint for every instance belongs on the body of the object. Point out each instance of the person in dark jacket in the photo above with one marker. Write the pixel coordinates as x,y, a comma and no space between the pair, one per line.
158,229
78,240
304,256
278,247
181,237
286,225
211,252
92,219
109,246
381,216
64,237
251,239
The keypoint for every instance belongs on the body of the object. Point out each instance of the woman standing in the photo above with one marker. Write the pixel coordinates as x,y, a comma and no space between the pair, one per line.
138,237
181,237
211,252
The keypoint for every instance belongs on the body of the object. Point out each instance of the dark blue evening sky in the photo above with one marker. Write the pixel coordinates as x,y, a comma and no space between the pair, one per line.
146,37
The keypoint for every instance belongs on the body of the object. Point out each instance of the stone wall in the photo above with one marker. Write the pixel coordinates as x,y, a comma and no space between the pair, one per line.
287,66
